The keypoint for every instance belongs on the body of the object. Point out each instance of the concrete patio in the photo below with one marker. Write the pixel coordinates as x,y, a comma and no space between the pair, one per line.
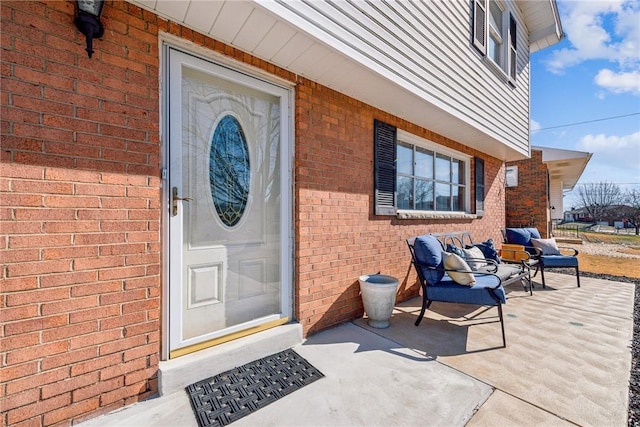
567,362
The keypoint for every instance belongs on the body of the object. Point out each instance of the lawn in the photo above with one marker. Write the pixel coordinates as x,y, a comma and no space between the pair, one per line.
628,267
599,264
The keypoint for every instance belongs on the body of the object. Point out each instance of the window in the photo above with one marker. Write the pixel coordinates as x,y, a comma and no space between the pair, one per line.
479,175
427,180
424,176
495,35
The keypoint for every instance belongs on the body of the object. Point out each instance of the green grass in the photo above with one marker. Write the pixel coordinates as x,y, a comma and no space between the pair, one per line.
613,238
574,225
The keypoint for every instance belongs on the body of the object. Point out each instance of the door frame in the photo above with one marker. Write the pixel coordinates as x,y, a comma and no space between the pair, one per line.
167,43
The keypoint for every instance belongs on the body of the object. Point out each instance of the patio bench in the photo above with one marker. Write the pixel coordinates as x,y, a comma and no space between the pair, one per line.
512,267
447,277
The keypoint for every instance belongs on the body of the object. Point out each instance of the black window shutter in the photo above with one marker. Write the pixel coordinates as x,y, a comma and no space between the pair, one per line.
479,185
480,25
384,140
513,48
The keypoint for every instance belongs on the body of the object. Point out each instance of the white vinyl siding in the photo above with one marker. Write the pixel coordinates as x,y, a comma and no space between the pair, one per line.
425,47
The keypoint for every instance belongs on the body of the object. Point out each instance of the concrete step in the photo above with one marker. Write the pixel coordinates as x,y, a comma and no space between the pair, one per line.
568,241
176,374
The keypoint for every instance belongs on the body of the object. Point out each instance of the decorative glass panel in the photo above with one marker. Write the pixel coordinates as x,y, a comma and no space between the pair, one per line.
229,170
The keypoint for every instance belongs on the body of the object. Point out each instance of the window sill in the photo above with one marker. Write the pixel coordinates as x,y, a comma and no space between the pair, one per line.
408,214
499,71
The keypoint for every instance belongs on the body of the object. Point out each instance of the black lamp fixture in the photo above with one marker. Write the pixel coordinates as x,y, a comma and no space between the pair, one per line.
88,20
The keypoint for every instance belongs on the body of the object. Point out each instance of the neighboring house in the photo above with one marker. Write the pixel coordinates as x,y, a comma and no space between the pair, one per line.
535,186
615,216
574,214
227,170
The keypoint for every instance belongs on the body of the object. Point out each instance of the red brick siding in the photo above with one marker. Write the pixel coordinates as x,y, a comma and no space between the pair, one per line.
79,212
80,209
338,237
527,203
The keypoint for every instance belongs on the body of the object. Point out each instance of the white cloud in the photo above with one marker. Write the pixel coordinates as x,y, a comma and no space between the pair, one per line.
602,30
615,158
619,82
534,126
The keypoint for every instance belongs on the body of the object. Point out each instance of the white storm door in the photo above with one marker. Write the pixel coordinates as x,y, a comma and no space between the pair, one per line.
229,203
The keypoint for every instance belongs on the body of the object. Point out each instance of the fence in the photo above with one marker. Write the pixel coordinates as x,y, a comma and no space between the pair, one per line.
575,229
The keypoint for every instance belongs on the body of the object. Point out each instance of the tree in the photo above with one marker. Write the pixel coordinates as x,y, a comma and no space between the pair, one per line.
632,208
596,198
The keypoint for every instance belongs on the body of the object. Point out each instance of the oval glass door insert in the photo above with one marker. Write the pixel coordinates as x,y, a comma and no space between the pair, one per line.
229,170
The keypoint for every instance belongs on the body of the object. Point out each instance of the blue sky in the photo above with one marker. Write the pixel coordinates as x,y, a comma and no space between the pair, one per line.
594,73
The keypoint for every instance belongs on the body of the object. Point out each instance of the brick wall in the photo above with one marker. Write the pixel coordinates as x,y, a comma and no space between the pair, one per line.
80,209
338,237
80,216
527,203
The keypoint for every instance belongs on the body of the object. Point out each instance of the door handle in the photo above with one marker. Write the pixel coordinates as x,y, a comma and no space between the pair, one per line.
174,201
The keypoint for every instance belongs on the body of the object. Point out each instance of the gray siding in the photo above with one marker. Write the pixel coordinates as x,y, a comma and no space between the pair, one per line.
425,47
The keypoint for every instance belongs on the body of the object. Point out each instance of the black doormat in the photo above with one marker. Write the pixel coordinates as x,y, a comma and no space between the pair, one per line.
226,397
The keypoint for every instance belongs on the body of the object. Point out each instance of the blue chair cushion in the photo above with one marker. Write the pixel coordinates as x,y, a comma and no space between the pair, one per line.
447,290
428,251
534,232
522,236
558,261
518,236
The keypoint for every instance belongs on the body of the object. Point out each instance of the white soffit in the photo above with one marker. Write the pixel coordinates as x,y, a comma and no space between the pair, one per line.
248,26
564,165
543,23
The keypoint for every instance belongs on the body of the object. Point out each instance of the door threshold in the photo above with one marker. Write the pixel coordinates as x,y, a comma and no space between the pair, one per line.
226,338
176,374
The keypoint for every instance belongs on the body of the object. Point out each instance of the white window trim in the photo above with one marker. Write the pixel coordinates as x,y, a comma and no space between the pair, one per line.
502,70
493,31
408,138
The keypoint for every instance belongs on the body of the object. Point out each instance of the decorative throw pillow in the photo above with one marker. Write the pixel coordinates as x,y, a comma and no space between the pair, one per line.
489,250
455,250
546,246
464,274
428,252
474,258
522,236
535,234
518,236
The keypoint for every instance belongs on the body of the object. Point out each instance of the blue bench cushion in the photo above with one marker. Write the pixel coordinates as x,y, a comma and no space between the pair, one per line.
504,271
428,252
447,290
559,261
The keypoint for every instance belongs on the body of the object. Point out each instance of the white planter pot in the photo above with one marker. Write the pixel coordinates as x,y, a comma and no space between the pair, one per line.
379,297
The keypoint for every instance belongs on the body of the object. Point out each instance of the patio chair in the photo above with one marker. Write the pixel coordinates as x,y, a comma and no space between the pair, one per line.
545,251
441,280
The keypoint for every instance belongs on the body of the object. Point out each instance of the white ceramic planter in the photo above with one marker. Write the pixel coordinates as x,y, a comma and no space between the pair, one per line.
379,297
